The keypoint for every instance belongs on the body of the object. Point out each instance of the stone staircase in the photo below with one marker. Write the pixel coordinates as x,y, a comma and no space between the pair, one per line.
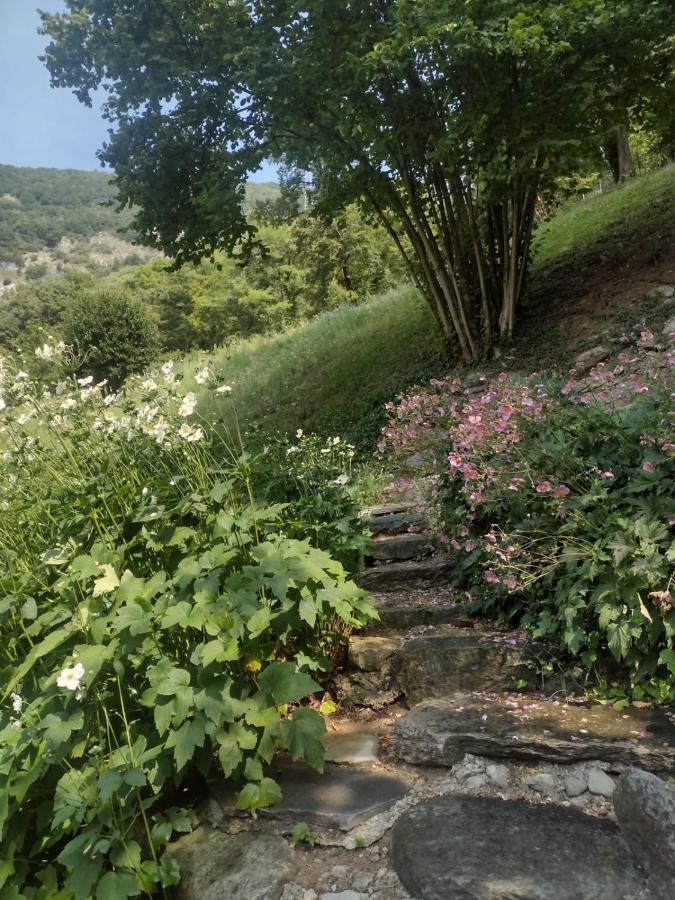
452,773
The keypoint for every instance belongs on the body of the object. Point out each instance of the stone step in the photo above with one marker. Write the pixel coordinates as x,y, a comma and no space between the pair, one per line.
460,659
386,509
480,848
419,574
400,610
439,732
395,523
399,546
341,797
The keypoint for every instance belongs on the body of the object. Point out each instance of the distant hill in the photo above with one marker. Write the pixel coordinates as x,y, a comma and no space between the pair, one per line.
41,207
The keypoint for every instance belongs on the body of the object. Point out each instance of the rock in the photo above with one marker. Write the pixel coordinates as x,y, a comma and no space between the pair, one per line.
499,775
439,732
669,327
476,782
407,609
423,573
395,523
477,848
297,892
244,866
600,783
385,509
457,659
666,291
362,881
344,895
340,798
645,810
355,748
375,690
575,786
370,653
543,783
399,546
590,358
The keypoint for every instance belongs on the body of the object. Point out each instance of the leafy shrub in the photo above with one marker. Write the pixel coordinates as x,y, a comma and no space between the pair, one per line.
559,509
113,335
158,624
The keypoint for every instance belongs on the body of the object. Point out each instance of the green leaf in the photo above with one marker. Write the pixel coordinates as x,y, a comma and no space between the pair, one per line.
190,735
619,639
115,885
229,754
255,796
302,737
259,621
667,658
285,684
107,582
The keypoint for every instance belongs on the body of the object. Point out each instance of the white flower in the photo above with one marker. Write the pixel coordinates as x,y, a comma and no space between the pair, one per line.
69,403
341,479
187,407
21,376
167,367
299,433
148,385
61,388
292,449
336,441
83,382
17,703
185,430
159,431
46,351
70,677
3,405
196,435
224,389
325,450
109,399
23,418
202,377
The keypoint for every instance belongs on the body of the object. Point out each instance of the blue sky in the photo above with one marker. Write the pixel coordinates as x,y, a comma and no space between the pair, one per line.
40,125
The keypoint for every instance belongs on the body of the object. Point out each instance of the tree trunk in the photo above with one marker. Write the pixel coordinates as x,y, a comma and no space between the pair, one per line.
618,154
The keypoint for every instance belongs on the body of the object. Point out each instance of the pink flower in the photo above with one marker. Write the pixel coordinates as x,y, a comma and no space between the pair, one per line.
455,461
463,530
510,582
561,490
543,487
646,336
469,546
624,338
648,467
444,539
607,475
491,578
455,543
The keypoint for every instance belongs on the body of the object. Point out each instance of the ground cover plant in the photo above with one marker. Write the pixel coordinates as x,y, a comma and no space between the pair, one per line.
557,504
165,613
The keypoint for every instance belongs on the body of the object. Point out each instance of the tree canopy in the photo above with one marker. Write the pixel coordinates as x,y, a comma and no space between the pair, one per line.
445,118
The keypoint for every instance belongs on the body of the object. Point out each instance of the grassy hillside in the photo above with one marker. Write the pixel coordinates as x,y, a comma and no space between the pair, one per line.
38,207
334,374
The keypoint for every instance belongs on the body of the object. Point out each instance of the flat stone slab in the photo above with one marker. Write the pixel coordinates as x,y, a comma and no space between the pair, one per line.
407,609
355,748
394,523
245,866
645,810
459,659
418,574
339,798
369,653
471,848
439,732
386,509
399,546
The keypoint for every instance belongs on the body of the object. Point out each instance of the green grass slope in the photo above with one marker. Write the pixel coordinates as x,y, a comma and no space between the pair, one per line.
333,374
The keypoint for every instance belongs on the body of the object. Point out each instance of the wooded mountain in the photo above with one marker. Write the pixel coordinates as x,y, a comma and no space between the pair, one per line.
38,207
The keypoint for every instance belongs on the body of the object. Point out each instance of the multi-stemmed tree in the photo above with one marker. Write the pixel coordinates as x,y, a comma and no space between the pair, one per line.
446,118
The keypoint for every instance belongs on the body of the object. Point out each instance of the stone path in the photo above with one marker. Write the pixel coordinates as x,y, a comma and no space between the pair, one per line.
452,773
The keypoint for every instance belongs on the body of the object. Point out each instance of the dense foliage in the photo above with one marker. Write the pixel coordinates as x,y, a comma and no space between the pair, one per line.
559,506
111,335
432,114
160,620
